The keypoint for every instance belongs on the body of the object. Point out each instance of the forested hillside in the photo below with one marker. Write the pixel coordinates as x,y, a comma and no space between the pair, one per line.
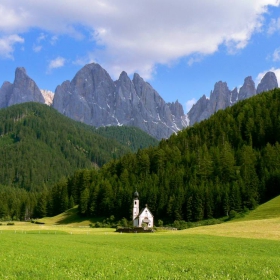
38,146
230,162
133,137
226,164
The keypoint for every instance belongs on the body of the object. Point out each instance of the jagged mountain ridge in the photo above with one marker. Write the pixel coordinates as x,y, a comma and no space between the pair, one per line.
94,98
221,97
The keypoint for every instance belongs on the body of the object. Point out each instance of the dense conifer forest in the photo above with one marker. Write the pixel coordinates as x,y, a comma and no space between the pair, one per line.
132,137
39,146
227,164
221,166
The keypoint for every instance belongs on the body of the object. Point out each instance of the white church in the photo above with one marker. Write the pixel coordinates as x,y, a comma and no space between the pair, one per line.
143,217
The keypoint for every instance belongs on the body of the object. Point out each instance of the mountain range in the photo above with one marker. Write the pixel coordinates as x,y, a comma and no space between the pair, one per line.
93,98
221,97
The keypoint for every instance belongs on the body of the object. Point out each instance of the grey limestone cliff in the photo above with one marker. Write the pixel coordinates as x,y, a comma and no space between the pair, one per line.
248,89
268,82
24,89
94,98
196,112
221,97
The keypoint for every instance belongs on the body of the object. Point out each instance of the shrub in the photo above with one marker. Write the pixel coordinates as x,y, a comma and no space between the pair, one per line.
10,224
124,222
232,214
160,223
98,225
180,224
39,223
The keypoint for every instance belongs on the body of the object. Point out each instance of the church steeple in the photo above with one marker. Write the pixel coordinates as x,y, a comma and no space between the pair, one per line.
135,209
143,218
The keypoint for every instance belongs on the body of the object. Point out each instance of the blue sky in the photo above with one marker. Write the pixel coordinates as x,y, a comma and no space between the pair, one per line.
180,47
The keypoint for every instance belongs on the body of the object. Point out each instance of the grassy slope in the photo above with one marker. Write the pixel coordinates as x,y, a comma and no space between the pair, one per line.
69,218
261,223
30,251
268,210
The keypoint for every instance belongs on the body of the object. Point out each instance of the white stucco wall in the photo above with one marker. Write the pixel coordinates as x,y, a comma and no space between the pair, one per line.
146,214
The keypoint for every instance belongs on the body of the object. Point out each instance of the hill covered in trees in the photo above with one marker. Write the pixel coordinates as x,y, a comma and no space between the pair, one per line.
132,137
223,165
38,145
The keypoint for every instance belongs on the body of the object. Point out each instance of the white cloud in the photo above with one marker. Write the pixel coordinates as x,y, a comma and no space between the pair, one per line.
42,37
56,63
7,45
194,59
53,40
37,48
276,55
275,70
274,26
137,35
189,104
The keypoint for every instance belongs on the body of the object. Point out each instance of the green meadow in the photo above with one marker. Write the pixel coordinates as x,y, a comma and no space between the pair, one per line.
47,255
244,249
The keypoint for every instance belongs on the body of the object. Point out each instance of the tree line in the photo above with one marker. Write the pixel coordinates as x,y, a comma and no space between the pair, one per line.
226,164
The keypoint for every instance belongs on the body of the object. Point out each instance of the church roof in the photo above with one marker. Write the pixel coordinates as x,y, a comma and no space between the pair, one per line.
143,209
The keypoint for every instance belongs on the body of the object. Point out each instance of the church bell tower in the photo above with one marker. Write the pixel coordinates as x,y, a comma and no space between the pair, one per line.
135,210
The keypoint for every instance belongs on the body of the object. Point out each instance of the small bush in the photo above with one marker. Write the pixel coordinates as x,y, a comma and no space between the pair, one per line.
39,223
36,222
232,214
0,224
98,225
10,224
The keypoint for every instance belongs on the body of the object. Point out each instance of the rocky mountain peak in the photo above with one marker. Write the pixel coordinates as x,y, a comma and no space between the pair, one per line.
24,89
20,73
221,97
93,98
176,108
248,89
268,82
136,77
124,76
199,110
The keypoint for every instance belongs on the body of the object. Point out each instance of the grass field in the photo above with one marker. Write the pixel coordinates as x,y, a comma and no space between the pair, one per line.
268,210
245,249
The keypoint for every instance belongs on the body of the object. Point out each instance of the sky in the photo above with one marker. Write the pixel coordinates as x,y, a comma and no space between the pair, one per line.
181,47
